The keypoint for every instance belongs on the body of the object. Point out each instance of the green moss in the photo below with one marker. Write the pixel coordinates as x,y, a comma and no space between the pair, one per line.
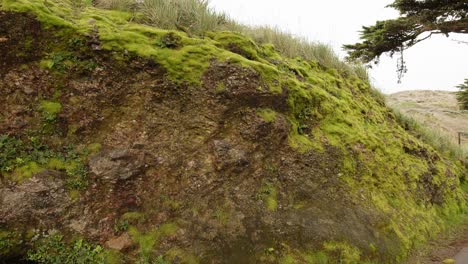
317,258
288,259
93,148
184,65
22,159
51,15
149,240
50,110
267,114
223,214
74,194
181,255
344,252
268,194
75,170
133,217
220,87
24,172
113,257
236,43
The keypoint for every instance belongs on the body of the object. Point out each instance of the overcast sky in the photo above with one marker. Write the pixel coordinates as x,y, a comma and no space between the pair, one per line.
439,63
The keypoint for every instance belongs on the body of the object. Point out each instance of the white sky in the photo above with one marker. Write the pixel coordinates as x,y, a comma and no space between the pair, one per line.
439,63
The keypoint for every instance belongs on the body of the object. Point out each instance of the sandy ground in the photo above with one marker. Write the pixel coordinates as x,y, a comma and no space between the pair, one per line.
435,109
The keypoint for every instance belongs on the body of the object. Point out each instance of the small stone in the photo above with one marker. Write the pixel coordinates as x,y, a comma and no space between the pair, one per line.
28,90
118,154
119,243
78,226
138,145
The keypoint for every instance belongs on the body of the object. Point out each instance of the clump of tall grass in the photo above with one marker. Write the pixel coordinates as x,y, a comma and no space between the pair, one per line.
292,46
193,16
438,139
124,5
196,17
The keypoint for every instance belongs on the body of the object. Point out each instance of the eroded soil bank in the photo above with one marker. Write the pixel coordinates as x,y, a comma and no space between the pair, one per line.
103,146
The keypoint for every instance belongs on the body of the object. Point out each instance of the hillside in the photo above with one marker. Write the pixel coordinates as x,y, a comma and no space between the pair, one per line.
435,109
125,143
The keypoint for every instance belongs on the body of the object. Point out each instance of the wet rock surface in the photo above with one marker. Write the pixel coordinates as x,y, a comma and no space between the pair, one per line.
41,199
117,164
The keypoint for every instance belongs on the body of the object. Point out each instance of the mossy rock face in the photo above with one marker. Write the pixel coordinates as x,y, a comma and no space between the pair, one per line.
233,154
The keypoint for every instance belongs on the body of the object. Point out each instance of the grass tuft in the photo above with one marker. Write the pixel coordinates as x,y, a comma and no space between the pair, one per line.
438,139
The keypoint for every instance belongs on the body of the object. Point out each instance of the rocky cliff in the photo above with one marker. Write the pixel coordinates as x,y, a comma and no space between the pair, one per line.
123,143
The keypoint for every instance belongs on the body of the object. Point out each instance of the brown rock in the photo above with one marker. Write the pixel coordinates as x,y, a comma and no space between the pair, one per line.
116,164
41,198
120,243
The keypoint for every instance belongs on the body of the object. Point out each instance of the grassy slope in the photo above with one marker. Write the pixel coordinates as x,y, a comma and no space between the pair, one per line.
325,108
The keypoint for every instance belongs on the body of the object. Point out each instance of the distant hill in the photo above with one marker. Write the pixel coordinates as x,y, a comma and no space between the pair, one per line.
435,109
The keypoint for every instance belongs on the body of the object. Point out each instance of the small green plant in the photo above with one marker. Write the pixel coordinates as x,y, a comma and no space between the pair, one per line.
121,226
268,194
317,258
9,148
343,252
59,61
267,114
20,160
50,110
54,250
8,241
148,241
161,260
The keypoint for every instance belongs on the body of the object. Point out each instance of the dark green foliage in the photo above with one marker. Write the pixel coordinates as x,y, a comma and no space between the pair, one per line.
54,250
161,260
171,40
9,241
21,158
462,95
417,17
121,226
8,149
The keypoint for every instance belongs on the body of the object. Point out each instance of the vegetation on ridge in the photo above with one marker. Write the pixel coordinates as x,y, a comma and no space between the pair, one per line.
196,17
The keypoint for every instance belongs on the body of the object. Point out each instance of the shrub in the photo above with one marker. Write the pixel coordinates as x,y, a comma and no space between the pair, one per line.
462,95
